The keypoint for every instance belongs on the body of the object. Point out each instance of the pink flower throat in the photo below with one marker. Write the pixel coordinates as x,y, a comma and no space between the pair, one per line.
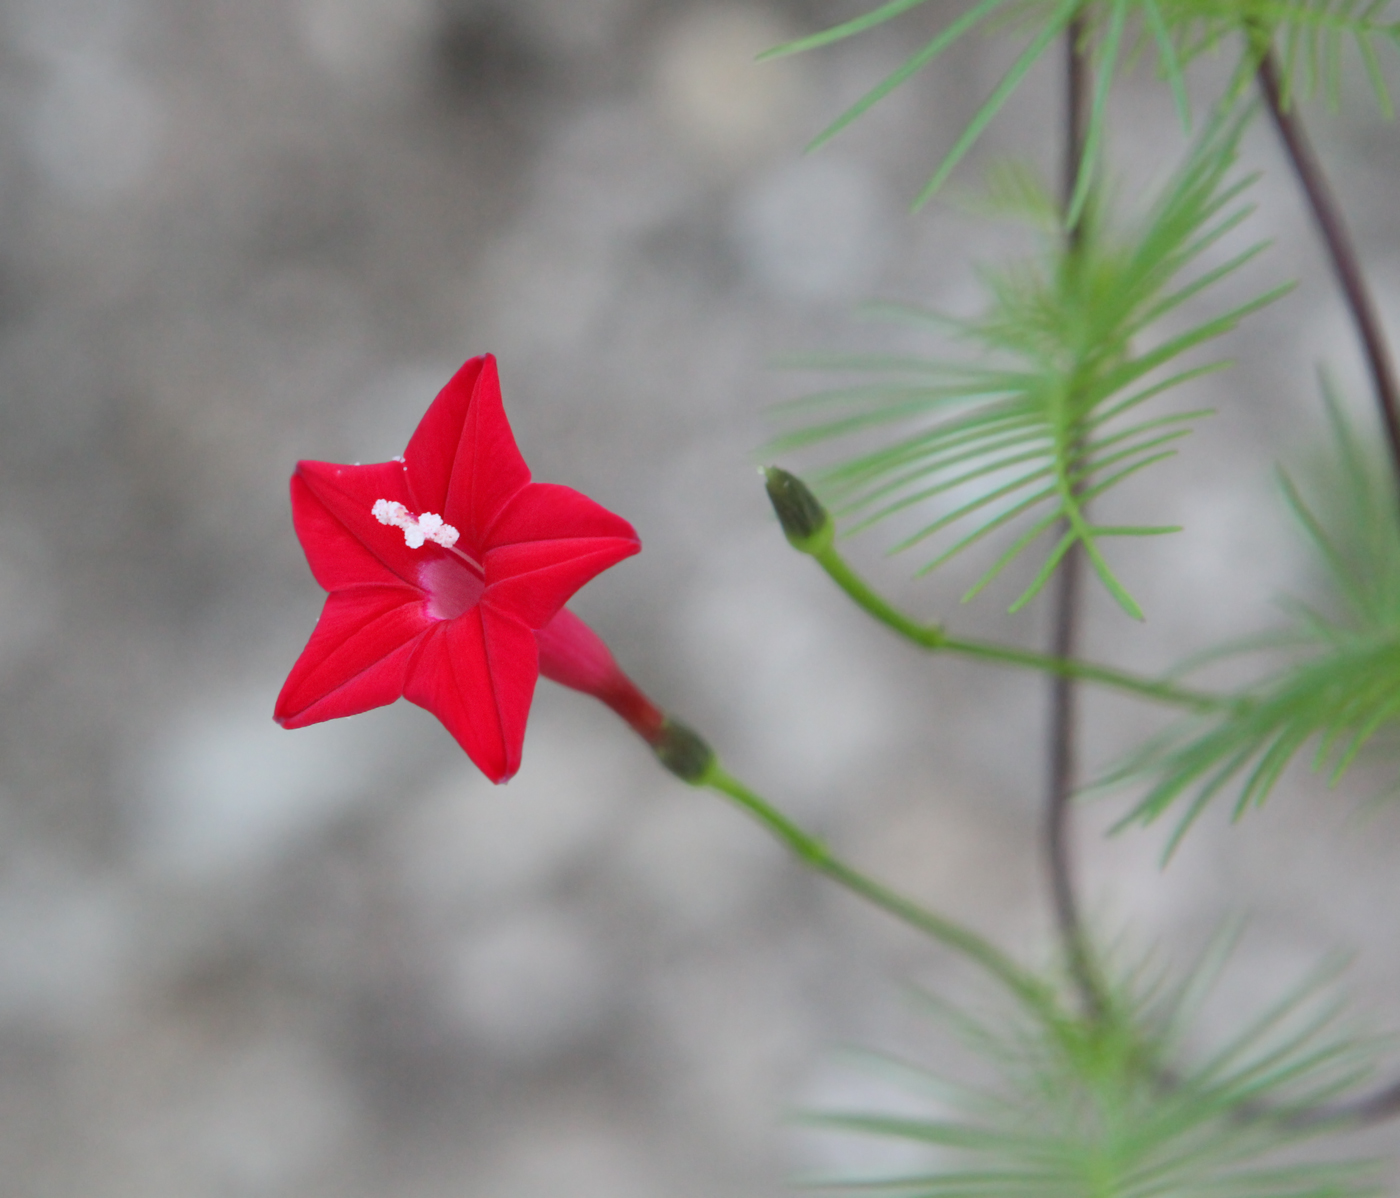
452,588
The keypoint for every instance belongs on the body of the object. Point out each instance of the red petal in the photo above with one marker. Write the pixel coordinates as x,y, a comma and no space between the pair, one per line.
345,545
488,470
433,448
549,512
548,542
358,655
533,580
477,675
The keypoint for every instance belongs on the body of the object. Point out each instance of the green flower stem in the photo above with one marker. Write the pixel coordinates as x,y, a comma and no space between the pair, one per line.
815,855
935,637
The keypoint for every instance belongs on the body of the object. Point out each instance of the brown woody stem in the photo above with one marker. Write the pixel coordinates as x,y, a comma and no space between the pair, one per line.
1345,262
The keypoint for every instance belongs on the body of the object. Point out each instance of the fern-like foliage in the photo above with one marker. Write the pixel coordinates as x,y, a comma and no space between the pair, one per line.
1342,683
1315,41
1111,1108
1049,415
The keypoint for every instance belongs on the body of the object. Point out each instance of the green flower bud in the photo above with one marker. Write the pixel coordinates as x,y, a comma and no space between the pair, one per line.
683,752
805,522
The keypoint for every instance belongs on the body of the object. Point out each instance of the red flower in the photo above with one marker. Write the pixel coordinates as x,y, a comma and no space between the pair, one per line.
442,566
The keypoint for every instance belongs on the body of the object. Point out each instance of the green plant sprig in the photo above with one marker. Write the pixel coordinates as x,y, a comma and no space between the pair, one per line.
1047,418
1113,1107
1342,685
1312,37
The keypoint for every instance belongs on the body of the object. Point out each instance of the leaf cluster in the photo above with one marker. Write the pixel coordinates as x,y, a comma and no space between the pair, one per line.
1312,39
1341,682
1046,415
1104,1107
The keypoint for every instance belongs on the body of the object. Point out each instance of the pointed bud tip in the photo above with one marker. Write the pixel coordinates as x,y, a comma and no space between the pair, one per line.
683,751
805,522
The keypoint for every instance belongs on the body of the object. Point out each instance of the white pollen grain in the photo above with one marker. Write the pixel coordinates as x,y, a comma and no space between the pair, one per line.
385,512
416,530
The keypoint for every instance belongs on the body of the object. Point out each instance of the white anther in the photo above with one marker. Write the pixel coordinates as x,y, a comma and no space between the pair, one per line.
385,512
416,530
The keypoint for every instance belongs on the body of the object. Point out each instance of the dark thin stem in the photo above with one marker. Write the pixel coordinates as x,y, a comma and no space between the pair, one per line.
1345,263
1363,1112
1060,775
1060,765
1077,99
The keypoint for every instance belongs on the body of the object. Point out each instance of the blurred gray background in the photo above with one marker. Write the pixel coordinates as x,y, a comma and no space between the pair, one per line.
239,962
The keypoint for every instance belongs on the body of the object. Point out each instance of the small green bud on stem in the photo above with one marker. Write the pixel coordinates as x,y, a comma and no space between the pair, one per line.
805,522
683,752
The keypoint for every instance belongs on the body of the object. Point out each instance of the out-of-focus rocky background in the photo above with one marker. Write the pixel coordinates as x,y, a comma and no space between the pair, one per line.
239,962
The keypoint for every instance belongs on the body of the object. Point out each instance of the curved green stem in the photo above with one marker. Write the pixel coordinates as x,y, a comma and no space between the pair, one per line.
935,637
927,636
814,854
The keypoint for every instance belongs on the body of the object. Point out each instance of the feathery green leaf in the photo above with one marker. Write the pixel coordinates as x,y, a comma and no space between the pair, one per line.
1112,1106
1312,39
1046,417
1341,684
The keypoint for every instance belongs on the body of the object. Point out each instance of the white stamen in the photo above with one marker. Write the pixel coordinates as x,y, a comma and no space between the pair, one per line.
416,530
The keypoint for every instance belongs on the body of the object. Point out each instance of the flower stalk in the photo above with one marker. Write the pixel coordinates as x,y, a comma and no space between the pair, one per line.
814,853
575,656
935,637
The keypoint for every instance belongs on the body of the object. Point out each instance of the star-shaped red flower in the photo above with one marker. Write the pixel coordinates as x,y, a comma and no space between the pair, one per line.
441,567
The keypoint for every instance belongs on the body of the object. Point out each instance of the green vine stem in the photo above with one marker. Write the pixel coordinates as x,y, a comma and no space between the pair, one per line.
935,637
809,529
692,760
818,857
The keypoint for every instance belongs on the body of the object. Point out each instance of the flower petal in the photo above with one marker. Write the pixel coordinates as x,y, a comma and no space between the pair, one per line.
433,448
548,542
488,470
358,655
533,580
548,512
477,675
345,545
